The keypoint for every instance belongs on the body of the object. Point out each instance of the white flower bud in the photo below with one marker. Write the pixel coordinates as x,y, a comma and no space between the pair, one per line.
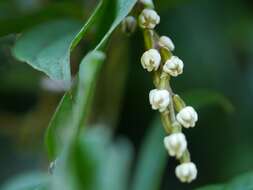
166,42
129,24
159,99
176,144
186,172
187,117
151,59
173,66
147,3
149,19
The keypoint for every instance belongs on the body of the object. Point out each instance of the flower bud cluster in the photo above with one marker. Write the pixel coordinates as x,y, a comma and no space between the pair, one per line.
159,60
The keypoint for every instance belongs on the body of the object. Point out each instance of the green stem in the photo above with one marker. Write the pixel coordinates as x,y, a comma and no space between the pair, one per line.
156,79
165,53
164,81
166,122
178,102
148,39
186,157
171,105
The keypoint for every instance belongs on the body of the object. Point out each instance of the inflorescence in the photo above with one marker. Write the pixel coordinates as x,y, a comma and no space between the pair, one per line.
175,115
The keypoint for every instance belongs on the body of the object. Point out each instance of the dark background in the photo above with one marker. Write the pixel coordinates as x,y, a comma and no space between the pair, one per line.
214,38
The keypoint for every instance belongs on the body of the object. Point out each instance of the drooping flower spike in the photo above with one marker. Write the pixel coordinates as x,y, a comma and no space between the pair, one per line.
175,115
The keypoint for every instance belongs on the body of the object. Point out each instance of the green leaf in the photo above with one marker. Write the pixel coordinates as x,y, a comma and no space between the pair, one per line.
152,160
74,108
97,13
47,48
122,7
116,167
79,165
243,182
212,187
50,52
103,10
202,98
52,137
94,163
29,181
52,133
87,77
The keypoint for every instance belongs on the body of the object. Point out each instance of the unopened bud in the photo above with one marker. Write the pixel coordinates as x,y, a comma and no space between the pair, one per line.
129,25
173,66
151,60
167,43
159,99
176,144
149,19
186,172
187,117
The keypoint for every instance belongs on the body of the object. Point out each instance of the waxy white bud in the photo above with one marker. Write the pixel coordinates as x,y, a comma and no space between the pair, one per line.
147,3
187,117
186,172
176,144
129,24
173,66
166,42
149,19
150,60
159,99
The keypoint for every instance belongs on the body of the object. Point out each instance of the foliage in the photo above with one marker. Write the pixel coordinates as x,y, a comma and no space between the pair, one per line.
87,155
243,182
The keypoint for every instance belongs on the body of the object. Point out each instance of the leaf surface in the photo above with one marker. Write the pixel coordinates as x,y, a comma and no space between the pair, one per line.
48,47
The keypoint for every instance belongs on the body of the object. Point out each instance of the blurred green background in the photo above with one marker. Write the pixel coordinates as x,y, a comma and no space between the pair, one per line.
214,38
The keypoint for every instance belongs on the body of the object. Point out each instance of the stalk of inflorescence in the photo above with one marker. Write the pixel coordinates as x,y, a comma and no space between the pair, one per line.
175,115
